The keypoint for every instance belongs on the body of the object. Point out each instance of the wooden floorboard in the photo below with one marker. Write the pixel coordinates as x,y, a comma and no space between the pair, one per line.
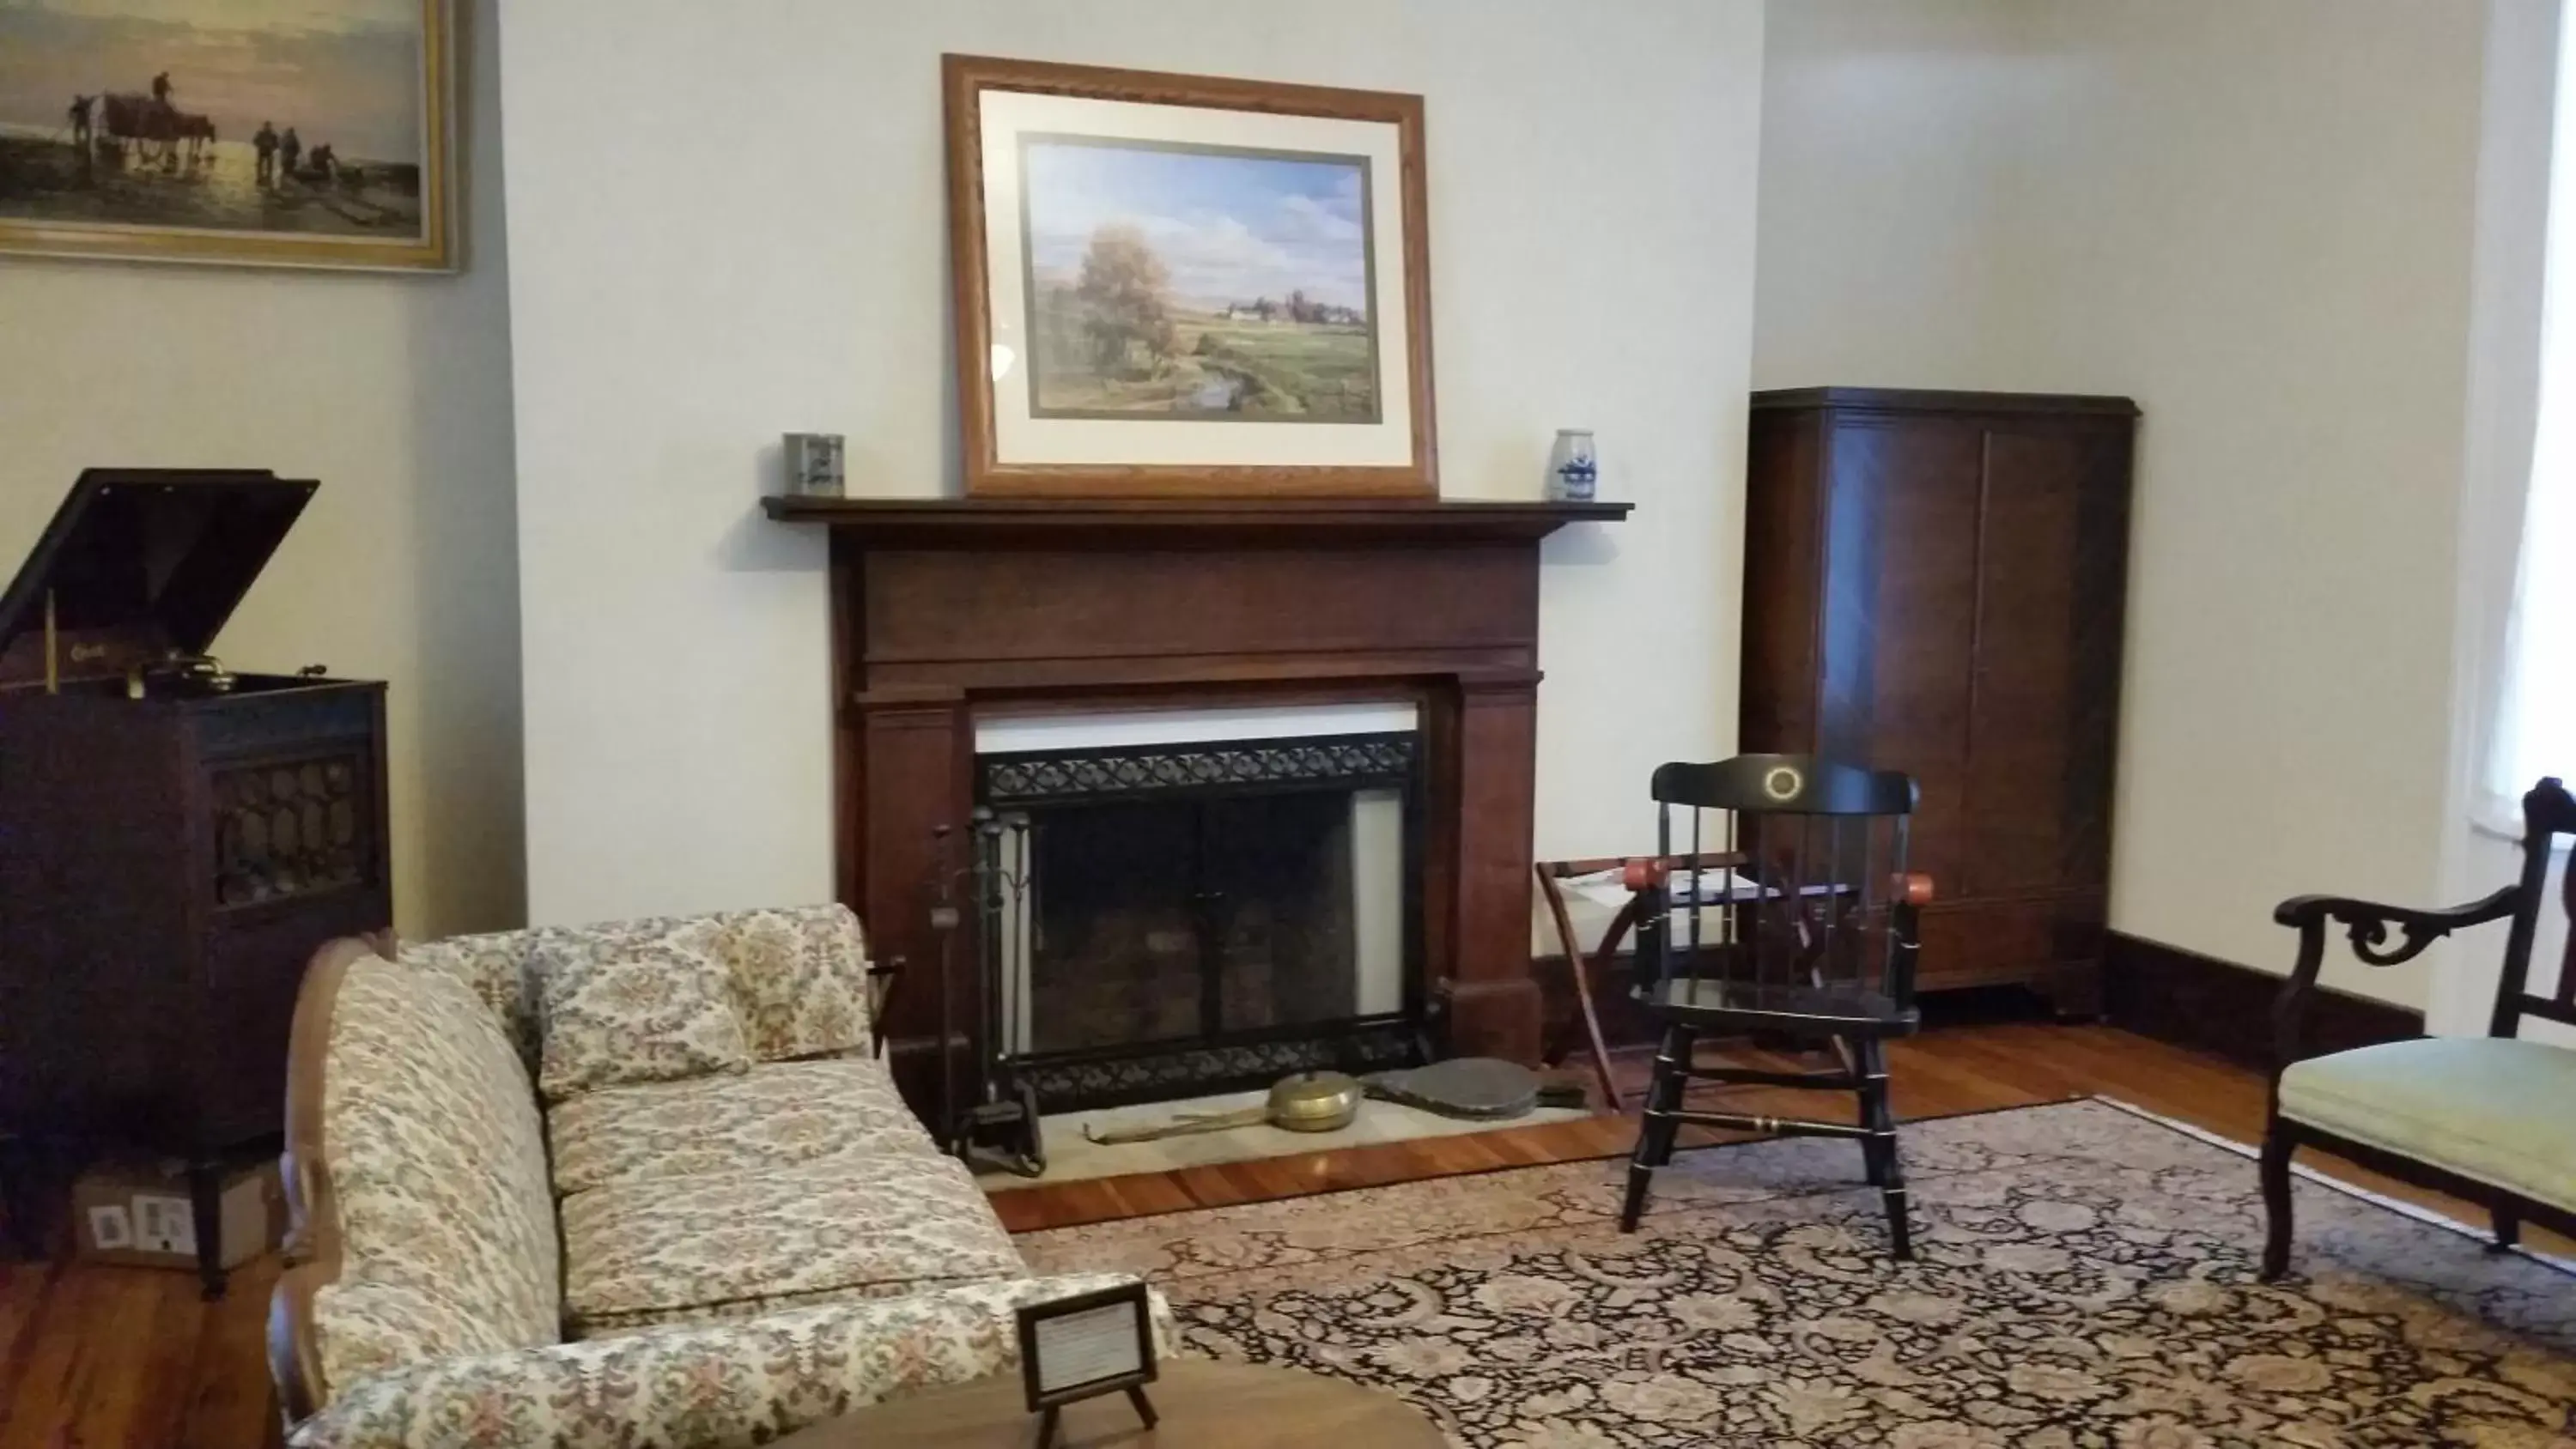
129,1358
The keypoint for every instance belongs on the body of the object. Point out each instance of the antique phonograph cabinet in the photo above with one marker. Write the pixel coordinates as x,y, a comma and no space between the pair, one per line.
175,839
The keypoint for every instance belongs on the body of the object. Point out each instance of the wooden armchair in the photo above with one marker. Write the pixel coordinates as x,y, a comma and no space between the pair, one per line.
2485,1118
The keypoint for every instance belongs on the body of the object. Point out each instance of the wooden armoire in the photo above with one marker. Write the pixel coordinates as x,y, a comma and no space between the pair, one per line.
1934,582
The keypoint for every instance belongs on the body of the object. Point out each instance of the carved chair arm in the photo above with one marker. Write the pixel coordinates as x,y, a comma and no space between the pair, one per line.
1910,893
2367,926
2368,923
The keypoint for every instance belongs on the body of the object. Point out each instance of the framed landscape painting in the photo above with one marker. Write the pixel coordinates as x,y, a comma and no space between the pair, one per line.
1178,285
278,132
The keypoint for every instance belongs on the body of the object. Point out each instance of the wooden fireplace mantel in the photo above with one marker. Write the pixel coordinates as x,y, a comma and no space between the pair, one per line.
1203,523
945,611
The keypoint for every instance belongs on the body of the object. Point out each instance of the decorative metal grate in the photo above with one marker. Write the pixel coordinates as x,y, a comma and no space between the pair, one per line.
1352,760
288,829
1170,1073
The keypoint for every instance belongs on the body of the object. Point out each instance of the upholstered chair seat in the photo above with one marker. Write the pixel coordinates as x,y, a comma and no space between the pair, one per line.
2486,1108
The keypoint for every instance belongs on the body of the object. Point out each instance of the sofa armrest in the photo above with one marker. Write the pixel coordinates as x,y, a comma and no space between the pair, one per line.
713,1385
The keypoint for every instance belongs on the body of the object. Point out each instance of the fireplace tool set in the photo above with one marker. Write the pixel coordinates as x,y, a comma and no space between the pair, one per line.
1000,1128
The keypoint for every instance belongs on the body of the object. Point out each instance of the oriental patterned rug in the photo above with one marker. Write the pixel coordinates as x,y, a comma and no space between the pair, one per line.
2085,1278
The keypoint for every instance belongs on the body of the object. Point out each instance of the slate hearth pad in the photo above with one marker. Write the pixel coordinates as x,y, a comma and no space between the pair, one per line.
1071,1159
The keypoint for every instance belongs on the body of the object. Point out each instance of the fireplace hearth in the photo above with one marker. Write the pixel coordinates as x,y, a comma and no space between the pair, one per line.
951,615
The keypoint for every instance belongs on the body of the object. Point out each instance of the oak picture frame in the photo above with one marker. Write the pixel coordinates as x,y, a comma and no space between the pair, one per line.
966,79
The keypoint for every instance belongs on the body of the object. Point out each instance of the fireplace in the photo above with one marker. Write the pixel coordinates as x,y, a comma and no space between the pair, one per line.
1191,908
953,617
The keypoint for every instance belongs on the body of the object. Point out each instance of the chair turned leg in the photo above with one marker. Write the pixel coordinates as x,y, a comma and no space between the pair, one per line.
2275,1173
206,1208
2508,1228
1878,1150
1900,1225
1679,1043
1656,1126
1872,1093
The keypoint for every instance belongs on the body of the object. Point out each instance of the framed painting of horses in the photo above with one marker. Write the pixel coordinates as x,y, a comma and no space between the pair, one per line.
308,133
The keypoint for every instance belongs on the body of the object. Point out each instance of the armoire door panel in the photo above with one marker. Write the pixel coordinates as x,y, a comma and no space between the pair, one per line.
2044,698
1899,597
1966,943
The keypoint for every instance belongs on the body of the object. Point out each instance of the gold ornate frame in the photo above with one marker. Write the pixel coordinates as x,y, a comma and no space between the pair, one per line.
436,249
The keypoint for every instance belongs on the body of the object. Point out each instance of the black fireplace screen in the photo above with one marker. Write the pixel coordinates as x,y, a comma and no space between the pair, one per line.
1204,917
1159,921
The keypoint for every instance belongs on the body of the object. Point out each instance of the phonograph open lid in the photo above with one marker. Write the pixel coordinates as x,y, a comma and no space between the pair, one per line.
140,563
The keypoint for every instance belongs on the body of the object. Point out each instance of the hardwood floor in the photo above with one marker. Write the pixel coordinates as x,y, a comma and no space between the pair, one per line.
100,1358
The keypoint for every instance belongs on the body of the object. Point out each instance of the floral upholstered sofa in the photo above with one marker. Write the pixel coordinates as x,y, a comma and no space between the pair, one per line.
633,1184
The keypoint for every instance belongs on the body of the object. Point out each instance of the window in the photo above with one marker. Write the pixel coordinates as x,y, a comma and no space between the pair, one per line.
2535,724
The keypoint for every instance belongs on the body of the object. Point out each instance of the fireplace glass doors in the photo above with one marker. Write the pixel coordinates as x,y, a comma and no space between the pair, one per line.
1203,917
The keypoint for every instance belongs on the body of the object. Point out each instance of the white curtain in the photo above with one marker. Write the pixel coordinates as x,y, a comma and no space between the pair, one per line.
2535,722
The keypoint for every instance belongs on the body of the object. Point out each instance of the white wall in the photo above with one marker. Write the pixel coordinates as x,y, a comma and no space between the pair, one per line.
2257,221
395,392
728,222
1898,165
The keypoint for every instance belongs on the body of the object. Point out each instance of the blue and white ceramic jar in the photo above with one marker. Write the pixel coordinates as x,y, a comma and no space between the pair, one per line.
1572,471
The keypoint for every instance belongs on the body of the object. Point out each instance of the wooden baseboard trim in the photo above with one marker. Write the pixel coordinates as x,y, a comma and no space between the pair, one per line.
2190,1000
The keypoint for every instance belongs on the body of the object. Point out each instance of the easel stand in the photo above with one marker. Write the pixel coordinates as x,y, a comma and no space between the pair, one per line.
1051,1423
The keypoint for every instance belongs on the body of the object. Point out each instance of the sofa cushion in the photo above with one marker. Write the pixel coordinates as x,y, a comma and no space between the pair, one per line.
436,1165
2489,1109
777,1115
797,975
621,1008
496,966
800,979
658,1249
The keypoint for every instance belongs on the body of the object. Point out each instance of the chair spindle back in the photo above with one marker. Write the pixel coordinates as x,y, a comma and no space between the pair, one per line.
1781,871
2548,813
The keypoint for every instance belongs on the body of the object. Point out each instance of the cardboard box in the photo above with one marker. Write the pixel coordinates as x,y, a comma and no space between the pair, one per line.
138,1214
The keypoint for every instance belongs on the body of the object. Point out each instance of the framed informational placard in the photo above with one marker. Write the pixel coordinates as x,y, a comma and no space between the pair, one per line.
1086,1346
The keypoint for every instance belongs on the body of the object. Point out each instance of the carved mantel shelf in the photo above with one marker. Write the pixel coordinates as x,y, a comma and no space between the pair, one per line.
951,523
